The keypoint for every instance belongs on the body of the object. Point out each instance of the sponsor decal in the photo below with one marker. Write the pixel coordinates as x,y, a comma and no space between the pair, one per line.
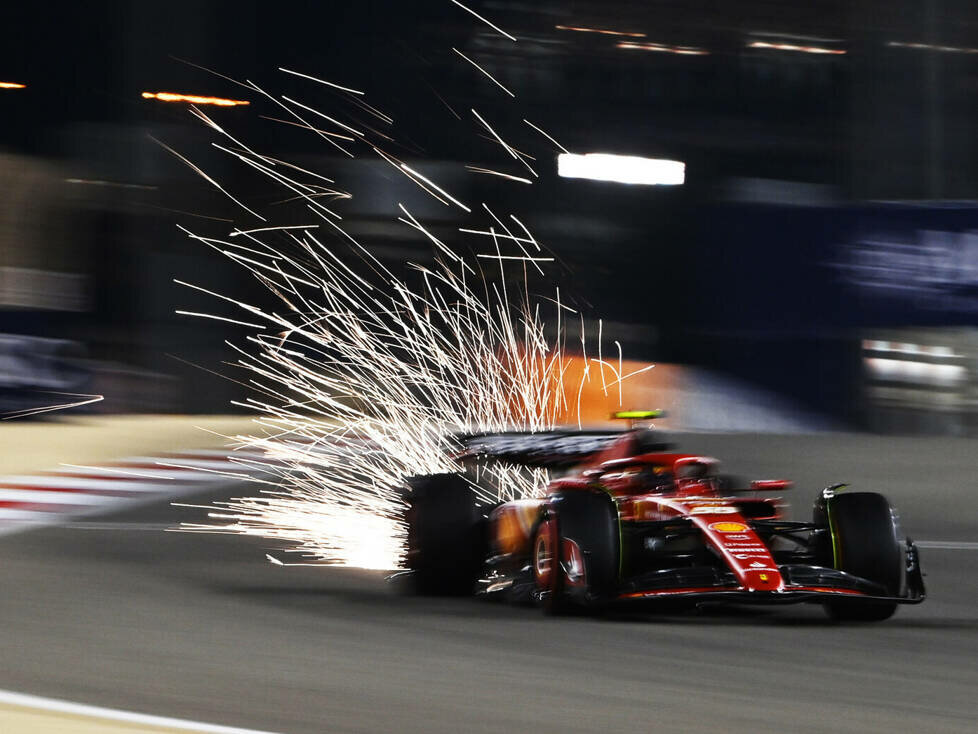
729,527
738,537
712,510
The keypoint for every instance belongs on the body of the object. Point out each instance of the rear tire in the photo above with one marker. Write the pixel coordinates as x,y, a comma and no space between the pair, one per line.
589,519
446,535
548,576
865,544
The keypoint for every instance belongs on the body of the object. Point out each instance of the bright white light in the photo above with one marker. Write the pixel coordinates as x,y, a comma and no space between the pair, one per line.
911,372
629,169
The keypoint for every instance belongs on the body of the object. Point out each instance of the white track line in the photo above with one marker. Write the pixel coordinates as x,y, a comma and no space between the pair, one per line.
22,516
67,707
54,481
52,498
120,472
946,545
129,526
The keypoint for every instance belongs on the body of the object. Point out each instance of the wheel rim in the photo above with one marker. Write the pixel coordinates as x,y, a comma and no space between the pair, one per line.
543,555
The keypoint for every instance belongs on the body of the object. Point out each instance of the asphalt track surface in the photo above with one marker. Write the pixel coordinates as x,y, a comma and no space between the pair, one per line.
114,612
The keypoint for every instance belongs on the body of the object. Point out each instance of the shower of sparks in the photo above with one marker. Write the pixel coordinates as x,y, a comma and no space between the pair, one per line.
207,178
12,85
307,127
515,154
546,135
239,232
488,75
477,169
517,257
321,81
325,117
362,377
82,400
437,188
495,235
494,134
194,99
491,25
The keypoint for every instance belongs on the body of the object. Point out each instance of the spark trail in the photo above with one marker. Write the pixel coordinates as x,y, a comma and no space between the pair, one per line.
362,376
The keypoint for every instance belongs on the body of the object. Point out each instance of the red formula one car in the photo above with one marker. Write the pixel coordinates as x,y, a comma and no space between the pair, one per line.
630,519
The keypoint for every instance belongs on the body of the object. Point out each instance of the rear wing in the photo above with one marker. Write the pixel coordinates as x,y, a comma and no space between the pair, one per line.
548,449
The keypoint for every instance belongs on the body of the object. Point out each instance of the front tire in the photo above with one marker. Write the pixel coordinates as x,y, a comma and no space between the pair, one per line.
576,550
865,544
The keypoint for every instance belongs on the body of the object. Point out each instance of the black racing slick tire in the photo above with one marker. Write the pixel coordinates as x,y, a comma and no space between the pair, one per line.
446,535
865,543
588,520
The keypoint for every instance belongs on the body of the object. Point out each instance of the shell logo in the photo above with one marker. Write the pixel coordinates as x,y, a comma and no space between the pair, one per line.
729,527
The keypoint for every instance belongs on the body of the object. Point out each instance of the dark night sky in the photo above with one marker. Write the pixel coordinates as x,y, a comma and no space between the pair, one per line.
869,121
89,61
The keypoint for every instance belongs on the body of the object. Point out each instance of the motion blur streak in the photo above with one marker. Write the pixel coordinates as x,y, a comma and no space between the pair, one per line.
194,99
365,377
663,48
621,168
12,85
602,31
793,47
932,47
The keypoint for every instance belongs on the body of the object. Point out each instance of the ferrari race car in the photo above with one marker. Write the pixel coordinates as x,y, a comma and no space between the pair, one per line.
627,518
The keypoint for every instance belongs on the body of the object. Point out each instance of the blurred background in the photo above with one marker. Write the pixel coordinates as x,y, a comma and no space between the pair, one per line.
817,269
813,272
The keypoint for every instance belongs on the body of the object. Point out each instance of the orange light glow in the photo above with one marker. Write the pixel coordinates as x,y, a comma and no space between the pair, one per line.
193,99
663,48
12,85
792,47
602,31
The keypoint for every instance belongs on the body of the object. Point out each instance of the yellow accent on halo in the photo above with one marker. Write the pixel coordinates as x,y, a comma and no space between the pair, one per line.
638,415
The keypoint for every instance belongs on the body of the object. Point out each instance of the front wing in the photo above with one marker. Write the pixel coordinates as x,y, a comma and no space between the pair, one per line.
804,583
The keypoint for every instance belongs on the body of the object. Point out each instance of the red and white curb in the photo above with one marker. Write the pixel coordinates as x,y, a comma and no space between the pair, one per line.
49,498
